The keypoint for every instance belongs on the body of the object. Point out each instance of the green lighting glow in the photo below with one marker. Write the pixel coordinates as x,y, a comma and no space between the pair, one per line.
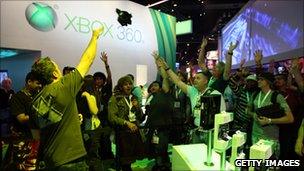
184,27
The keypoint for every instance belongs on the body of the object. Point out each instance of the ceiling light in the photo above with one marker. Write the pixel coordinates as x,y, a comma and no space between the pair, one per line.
172,10
188,44
204,13
202,2
201,14
157,3
7,53
175,5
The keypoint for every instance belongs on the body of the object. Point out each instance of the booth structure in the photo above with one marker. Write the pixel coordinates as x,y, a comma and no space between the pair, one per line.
192,157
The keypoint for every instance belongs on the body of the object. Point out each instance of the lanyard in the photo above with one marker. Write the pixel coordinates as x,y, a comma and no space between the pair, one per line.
177,92
129,104
263,100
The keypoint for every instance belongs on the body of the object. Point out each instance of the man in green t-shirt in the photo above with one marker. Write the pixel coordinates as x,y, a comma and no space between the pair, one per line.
61,142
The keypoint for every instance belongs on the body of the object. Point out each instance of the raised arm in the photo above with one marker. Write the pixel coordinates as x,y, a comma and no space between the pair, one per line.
174,78
165,84
104,58
91,102
89,54
201,57
295,70
229,54
258,56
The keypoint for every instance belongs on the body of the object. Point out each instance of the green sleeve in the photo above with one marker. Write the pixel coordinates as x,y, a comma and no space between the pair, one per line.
283,103
113,112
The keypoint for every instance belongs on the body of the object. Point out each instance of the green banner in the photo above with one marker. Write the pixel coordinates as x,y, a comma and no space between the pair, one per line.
166,37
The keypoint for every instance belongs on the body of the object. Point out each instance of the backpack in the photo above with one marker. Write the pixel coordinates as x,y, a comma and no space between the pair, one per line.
43,110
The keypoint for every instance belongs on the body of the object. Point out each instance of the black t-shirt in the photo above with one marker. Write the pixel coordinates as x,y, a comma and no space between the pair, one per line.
218,84
5,98
160,110
21,104
103,96
62,142
182,109
82,106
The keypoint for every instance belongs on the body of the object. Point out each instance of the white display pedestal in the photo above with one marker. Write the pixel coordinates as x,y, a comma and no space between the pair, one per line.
193,156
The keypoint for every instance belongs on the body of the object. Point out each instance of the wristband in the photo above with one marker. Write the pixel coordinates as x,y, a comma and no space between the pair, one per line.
167,69
230,53
269,120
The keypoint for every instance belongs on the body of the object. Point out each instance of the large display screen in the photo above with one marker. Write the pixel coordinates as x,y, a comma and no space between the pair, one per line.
275,27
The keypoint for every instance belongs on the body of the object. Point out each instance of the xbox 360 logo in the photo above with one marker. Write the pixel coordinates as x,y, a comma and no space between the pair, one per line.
41,16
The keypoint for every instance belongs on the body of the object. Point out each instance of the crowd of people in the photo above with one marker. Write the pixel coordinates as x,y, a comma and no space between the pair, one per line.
69,121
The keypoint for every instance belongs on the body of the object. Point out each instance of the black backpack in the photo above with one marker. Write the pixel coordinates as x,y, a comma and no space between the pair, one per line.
271,111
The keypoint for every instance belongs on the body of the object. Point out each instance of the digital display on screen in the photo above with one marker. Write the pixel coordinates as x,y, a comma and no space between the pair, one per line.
271,26
3,75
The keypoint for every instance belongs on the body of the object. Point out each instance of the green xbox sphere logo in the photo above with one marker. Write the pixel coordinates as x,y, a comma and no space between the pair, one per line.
41,16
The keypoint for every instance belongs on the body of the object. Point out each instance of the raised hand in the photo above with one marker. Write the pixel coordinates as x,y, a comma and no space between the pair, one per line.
242,62
98,32
204,42
295,64
155,55
85,94
163,63
232,46
258,56
104,57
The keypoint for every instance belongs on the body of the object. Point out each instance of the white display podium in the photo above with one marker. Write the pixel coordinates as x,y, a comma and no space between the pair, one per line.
193,156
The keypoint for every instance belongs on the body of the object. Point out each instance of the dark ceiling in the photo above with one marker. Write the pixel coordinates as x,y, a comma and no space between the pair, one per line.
208,16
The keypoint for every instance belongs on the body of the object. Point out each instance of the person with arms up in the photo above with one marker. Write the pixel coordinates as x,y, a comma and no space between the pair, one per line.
103,92
199,88
62,146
